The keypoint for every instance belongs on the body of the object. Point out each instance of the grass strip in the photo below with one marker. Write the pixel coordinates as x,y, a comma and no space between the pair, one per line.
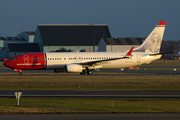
91,105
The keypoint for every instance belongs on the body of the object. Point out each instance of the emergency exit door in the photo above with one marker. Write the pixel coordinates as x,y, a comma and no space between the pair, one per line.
138,58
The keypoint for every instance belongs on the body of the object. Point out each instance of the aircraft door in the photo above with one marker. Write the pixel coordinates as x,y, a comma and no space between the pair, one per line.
26,59
138,58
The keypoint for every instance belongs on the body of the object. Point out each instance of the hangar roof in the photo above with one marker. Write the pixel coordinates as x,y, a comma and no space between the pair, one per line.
73,34
12,38
29,33
23,47
124,41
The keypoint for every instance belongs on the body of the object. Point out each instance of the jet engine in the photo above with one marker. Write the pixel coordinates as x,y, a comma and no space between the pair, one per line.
73,68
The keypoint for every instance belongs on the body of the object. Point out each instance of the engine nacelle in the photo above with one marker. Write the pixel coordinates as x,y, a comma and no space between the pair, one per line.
74,68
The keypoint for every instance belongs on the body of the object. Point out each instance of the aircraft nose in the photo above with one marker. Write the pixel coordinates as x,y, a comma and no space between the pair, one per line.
6,63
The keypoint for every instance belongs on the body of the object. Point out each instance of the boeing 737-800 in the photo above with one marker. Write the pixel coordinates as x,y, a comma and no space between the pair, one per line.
85,62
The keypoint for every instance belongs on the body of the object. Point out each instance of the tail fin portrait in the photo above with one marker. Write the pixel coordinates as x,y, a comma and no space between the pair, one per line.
152,43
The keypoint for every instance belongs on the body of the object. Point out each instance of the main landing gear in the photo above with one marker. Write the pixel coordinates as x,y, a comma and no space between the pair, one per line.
89,72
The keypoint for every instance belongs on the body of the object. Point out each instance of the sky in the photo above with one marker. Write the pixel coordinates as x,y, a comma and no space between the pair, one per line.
125,18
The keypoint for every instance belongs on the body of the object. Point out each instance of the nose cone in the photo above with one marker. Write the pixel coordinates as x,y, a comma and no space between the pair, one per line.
7,64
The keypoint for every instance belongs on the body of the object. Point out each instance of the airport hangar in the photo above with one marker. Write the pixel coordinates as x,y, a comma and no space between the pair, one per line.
71,37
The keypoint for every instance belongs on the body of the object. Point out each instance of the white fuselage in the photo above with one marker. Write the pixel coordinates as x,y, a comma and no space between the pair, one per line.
59,60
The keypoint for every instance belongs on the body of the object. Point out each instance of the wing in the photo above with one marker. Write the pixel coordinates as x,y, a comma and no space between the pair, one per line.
107,60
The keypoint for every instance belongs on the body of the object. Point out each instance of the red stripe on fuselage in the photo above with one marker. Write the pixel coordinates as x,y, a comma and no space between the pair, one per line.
30,61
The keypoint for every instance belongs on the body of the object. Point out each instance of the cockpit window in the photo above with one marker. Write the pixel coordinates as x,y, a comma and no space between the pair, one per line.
13,58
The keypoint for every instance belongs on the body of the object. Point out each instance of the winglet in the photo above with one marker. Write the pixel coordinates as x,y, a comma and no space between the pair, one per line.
88,50
129,53
161,23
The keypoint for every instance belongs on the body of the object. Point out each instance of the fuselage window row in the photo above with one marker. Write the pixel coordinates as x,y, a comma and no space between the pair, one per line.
95,58
79,58
54,58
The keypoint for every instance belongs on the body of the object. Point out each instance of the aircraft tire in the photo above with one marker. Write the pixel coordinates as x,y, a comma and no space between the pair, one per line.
89,72
20,73
83,72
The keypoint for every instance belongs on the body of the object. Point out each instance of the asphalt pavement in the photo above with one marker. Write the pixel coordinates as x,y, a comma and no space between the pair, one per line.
137,116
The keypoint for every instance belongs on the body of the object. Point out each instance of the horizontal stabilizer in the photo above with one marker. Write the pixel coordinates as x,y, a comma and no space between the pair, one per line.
163,53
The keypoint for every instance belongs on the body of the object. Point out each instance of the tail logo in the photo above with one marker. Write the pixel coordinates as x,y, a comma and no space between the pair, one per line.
156,43
152,44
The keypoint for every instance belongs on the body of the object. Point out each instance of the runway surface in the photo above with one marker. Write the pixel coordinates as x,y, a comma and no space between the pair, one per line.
92,117
94,93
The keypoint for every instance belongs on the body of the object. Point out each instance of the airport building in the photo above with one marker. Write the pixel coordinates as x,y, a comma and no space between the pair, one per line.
118,44
71,37
21,48
66,37
28,35
3,44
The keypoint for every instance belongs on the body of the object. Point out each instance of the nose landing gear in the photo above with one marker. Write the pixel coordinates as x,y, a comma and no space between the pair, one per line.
20,73
18,70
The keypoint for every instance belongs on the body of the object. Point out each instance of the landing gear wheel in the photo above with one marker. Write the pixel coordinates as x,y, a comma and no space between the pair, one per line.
83,72
20,73
89,72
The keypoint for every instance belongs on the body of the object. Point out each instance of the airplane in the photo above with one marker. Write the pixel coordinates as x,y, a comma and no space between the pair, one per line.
85,62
